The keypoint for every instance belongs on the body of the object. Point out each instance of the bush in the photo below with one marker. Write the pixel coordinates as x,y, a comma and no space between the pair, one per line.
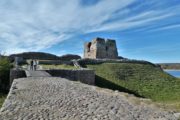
5,67
2,98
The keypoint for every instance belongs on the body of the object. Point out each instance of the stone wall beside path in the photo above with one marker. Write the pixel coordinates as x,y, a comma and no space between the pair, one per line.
83,75
16,73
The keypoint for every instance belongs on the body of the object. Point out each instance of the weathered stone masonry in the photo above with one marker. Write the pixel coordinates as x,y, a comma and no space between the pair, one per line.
84,75
100,48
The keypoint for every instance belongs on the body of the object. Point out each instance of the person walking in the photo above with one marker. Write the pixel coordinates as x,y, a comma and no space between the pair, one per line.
31,65
35,64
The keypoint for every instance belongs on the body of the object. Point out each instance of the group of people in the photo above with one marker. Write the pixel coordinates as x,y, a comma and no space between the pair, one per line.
33,64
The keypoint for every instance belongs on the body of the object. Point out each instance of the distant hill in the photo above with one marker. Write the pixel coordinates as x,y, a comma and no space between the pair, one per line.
43,56
35,55
69,57
170,65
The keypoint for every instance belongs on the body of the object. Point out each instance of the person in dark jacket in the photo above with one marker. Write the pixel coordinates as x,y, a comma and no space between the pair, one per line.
31,65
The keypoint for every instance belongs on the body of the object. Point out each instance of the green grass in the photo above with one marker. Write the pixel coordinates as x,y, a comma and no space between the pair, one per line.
143,80
2,98
63,66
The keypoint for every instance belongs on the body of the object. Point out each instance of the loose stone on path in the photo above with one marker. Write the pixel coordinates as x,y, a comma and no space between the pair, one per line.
51,98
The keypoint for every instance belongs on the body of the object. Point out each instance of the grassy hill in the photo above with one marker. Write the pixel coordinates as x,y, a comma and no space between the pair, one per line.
145,80
62,66
44,56
35,55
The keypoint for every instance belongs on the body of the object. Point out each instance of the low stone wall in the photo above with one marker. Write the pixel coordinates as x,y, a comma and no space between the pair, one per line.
83,75
16,73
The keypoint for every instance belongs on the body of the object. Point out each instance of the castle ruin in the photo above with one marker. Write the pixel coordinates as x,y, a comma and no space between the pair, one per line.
100,48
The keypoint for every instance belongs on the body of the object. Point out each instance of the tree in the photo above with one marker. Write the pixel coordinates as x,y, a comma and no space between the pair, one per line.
5,67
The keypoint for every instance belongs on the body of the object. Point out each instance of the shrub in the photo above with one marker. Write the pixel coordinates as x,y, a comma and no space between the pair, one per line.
5,67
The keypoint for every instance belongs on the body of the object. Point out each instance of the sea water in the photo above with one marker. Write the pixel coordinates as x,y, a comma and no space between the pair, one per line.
175,73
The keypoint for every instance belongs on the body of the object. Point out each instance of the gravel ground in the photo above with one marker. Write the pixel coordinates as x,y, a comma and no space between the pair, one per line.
51,98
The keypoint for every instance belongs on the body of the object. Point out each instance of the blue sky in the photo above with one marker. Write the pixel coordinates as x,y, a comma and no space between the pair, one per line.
143,29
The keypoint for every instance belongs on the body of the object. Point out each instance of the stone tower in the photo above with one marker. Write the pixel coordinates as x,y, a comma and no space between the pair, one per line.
101,48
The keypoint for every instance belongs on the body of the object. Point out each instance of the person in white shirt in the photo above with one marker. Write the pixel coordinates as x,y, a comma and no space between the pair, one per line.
34,64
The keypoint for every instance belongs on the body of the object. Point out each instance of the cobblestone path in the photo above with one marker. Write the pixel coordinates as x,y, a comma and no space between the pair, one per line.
50,98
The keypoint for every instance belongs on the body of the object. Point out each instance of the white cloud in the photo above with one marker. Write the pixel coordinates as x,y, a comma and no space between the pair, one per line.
33,25
166,27
39,24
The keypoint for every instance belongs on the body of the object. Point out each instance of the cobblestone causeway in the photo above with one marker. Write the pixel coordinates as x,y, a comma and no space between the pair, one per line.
52,98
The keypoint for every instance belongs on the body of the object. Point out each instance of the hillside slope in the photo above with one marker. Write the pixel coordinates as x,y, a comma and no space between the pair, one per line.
35,55
44,56
143,80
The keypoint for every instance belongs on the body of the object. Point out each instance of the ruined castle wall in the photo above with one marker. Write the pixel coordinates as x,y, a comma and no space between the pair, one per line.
101,48
89,51
111,49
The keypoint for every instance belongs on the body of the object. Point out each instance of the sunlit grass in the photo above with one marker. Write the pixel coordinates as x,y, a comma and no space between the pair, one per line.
63,66
140,79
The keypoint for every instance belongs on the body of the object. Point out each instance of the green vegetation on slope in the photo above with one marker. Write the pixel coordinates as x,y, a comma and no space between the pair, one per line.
2,98
140,79
63,66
